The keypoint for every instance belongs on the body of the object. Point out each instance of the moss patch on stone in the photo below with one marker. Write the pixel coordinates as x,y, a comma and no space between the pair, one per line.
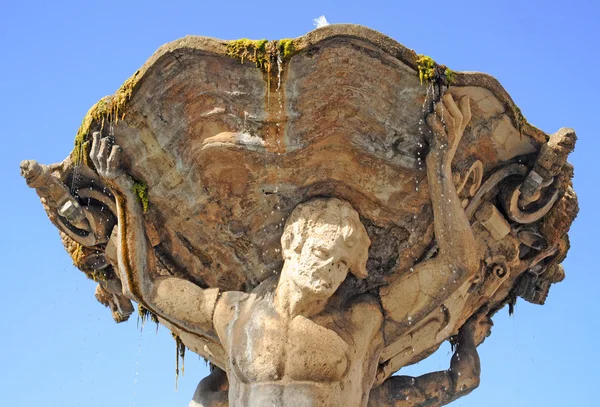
99,275
179,353
287,49
108,109
521,120
77,255
431,71
449,74
251,50
141,191
144,315
262,53
426,67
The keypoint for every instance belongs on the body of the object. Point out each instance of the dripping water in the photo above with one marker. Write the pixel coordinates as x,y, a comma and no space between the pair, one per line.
76,175
278,119
271,217
425,110
279,63
111,135
137,366
77,166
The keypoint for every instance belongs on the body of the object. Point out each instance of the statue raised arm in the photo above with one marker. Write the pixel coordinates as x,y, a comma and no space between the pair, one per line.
439,388
418,292
180,301
312,241
285,340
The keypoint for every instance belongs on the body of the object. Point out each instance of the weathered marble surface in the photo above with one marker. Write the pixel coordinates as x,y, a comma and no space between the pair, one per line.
228,150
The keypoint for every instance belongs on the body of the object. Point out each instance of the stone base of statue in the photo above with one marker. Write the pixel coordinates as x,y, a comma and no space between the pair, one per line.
312,215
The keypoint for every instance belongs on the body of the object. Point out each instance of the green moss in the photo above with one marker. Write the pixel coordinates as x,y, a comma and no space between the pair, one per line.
262,53
145,314
95,114
141,190
449,74
256,51
521,120
431,71
99,275
107,109
427,68
179,353
77,255
287,49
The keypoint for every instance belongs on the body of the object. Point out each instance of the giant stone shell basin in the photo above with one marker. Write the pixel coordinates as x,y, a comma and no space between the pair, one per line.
227,154
228,146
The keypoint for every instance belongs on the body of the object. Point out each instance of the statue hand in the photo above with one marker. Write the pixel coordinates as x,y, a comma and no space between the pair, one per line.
476,329
448,124
107,160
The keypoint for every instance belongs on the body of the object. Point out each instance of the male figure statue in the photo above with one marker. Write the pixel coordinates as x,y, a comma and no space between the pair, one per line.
294,343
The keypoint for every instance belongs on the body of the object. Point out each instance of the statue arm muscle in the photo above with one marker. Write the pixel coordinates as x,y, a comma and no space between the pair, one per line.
178,300
438,388
434,280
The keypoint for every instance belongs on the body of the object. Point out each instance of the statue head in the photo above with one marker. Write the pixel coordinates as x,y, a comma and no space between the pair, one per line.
322,240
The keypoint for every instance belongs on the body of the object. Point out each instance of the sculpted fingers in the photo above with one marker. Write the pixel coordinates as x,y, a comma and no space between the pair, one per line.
448,123
95,149
103,156
465,108
453,110
113,162
107,160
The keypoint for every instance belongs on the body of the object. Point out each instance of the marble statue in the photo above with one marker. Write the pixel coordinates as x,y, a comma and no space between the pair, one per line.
314,221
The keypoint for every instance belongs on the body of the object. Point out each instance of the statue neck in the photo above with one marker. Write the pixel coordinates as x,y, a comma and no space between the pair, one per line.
291,300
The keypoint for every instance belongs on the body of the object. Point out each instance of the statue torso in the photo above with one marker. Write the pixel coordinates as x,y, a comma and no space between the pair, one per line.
272,357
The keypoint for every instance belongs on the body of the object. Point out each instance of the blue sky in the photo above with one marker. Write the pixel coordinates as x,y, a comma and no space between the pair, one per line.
59,347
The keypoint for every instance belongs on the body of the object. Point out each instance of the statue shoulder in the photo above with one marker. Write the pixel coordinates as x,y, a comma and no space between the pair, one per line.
229,300
365,311
228,305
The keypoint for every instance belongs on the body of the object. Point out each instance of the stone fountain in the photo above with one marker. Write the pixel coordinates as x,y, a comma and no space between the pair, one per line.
311,215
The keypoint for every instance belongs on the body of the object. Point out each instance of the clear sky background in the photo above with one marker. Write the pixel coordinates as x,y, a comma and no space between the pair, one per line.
59,347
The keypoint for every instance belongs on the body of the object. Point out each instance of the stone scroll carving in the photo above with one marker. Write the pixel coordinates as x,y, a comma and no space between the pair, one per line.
310,218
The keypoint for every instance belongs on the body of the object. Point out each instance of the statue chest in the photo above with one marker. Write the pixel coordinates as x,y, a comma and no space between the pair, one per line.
267,347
